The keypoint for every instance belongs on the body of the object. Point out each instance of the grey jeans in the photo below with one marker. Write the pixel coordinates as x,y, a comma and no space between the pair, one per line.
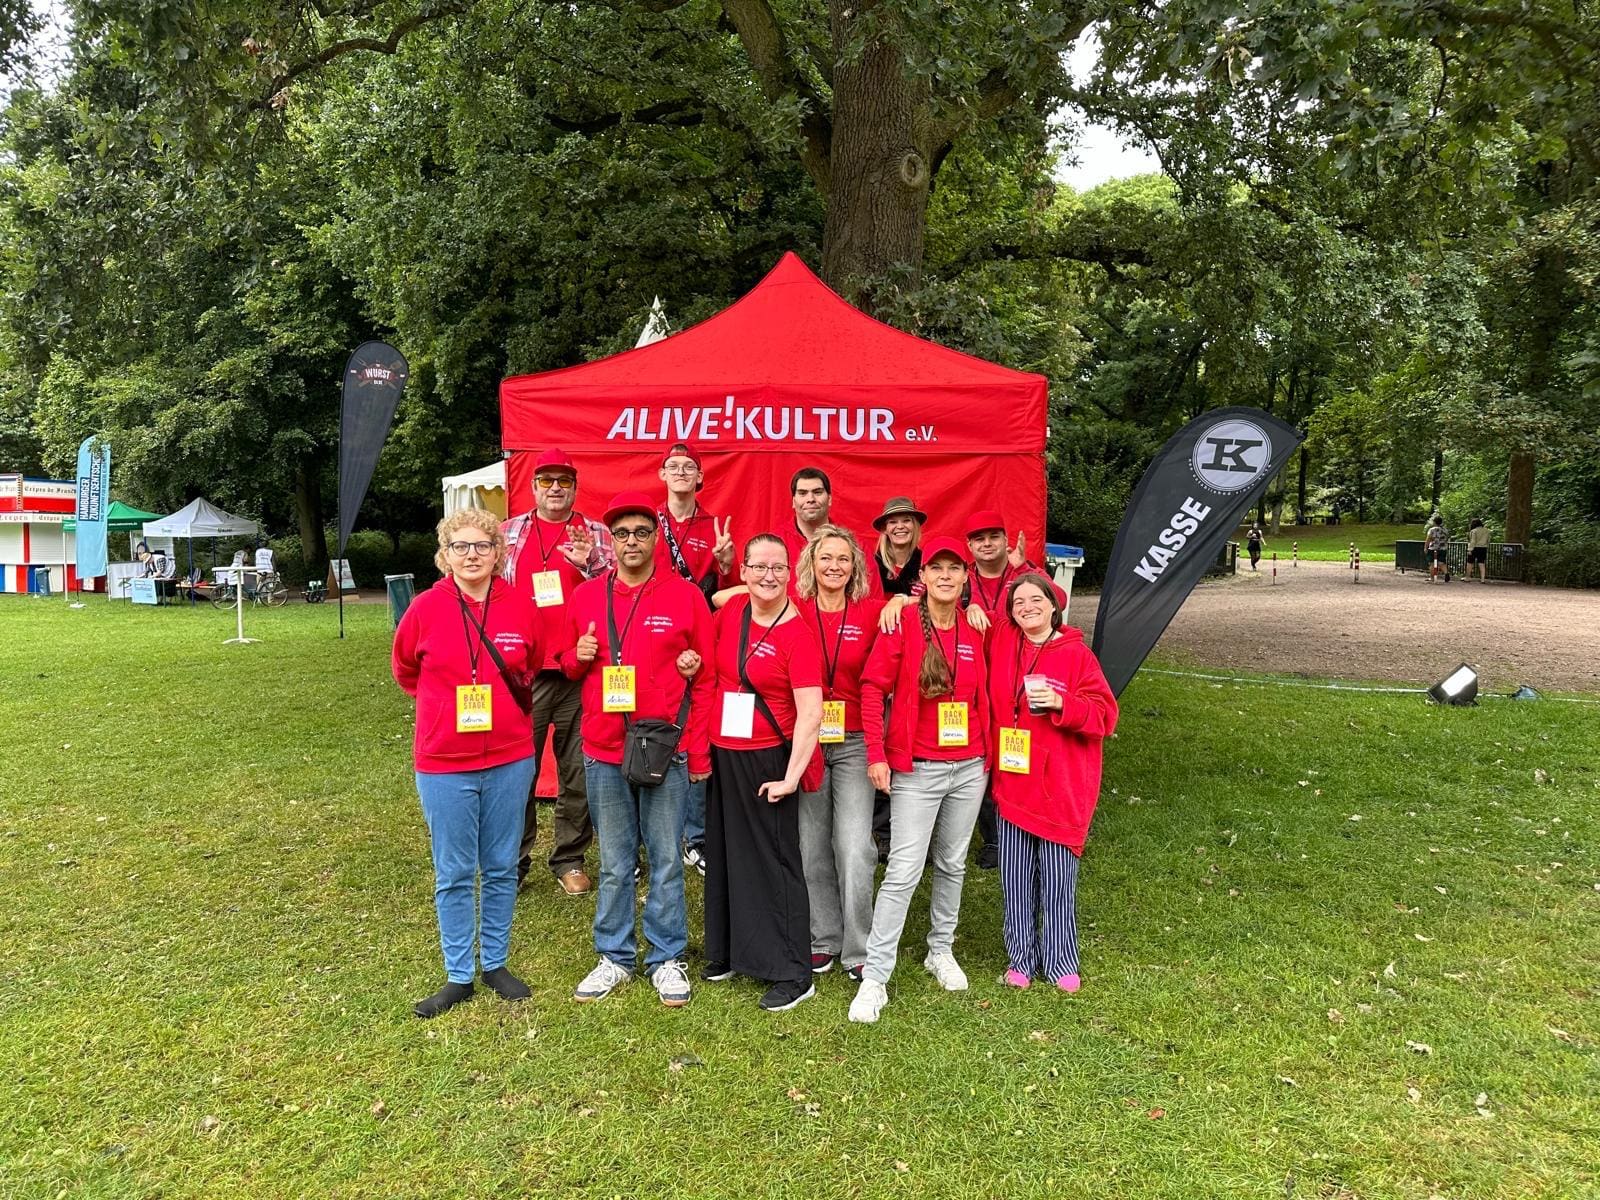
837,851
935,804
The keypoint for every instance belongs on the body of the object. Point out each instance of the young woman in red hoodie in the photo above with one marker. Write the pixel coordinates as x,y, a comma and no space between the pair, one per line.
1052,709
935,741
474,744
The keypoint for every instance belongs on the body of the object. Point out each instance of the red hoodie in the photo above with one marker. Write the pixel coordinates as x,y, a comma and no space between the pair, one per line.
1056,799
911,730
432,656
671,617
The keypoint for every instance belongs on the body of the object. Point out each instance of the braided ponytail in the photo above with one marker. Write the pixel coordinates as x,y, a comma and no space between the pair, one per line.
934,678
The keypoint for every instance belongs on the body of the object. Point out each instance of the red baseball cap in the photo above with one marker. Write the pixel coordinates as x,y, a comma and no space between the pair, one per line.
630,502
935,546
984,518
555,457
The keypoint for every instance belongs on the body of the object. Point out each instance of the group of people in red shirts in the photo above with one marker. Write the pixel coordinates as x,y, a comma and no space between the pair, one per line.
738,710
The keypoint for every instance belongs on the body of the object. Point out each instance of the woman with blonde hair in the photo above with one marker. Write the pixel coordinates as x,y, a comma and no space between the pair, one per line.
836,848
898,556
466,650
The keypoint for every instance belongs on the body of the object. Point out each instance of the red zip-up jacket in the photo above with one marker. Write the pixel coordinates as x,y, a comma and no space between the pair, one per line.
1056,799
671,617
432,657
892,670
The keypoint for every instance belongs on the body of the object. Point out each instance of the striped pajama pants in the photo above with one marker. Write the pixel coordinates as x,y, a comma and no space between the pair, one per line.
1040,881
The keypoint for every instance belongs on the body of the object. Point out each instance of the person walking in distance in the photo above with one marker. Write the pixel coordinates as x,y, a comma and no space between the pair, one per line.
553,549
645,634
1052,709
931,755
1253,541
1436,545
1478,549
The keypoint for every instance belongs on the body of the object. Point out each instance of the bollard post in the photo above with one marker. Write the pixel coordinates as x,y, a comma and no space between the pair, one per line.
1295,547
1355,565
1274,567
1351,565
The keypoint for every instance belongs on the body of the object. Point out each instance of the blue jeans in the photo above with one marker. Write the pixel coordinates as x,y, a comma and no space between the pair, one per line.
694,815
475,823
623,817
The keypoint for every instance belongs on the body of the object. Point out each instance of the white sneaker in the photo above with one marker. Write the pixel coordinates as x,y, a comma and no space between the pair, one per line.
942,965
869,1002
599,983
671,980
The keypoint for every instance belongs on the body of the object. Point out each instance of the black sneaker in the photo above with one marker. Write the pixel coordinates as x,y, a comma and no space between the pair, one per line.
716,972
781,997
446,998
989,857
504,984
855,972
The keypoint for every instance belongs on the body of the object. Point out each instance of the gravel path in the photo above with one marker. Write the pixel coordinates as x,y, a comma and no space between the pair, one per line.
1316,622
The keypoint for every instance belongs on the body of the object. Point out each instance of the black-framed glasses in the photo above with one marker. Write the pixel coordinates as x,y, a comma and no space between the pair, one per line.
464,548
639,533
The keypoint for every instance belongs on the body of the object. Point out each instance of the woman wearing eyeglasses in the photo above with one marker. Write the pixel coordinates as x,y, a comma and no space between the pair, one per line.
935,742
763,734
465,650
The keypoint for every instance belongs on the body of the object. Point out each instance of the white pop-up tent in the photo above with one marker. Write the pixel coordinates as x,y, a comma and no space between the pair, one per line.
483,488
201,519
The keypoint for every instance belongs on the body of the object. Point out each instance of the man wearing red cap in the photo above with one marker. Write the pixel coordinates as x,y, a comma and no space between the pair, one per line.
635,641
551,551
694,545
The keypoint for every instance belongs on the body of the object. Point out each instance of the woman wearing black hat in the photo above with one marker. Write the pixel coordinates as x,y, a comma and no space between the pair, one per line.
898,557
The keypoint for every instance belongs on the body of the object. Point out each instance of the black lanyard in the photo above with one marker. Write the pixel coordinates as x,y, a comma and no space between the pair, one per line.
744,639
822,636
611,615
989,606
1016,697
544,555
473,643
679,562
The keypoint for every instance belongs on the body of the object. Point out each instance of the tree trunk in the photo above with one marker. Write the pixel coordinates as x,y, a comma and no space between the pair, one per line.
1438,478
881,168
1519,498
308,511
1300,487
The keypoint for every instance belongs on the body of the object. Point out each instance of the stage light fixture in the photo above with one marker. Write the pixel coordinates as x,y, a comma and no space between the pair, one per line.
1458,687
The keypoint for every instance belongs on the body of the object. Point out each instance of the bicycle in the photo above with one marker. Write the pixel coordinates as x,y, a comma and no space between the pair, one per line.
269,589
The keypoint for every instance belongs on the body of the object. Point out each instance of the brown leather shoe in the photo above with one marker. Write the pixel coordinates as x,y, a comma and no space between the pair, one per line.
575,882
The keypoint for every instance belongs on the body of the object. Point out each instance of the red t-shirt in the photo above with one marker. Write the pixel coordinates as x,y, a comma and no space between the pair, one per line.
539,549
962,649
844,640
697,540
779,660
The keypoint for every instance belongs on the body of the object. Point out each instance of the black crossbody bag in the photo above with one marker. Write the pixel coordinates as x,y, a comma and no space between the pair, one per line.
520,685
648,746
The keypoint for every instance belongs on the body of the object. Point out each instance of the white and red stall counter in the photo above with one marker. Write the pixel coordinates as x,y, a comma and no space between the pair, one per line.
36,553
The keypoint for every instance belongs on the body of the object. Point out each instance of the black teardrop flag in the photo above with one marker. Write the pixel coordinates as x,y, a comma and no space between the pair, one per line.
373,380
1191,498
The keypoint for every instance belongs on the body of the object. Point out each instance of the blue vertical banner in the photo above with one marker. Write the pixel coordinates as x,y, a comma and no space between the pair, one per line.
94,498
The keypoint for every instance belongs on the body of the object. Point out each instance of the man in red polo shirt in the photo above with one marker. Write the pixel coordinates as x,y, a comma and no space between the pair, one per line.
553,549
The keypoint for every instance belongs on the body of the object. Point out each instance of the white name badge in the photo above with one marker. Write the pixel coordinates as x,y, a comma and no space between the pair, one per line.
617,685
738,715
474,708
547,588
832,721
1016,751
953,723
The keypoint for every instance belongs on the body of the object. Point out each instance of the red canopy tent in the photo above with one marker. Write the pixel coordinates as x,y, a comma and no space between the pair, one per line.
789,376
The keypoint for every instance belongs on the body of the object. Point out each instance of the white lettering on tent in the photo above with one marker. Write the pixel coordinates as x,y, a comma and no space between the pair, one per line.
760,423
1183,525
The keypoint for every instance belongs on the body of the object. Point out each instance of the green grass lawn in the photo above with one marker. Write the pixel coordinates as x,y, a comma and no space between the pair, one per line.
1335,945
1331,543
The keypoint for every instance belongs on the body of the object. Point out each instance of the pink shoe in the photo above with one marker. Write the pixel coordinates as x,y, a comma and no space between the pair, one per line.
1015,979
1069,983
